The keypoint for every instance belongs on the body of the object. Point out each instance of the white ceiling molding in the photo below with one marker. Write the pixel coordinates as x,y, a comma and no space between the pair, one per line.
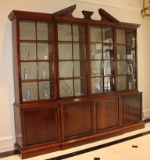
135,5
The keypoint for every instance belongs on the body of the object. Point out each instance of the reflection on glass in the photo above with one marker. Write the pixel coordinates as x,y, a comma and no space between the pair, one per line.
121,80
66,88
131,82
44,90
80,87
121,36
130,37
65,51
79,68
29,91
25,74
79,51
64,32
121,67
107,35
107,68
43,31
129,69
96,52
65,69
44,73
121,52
43,51
27,30
28,51
28,70
97,85
43,70
79,33
96,34
133,42
107,87
28,94
97,67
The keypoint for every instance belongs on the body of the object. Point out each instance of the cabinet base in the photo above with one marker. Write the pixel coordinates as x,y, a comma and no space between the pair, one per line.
101,136
36,151
26,153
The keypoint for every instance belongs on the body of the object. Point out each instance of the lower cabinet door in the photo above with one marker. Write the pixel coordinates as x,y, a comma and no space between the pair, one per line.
77,119
107,114
131,108
41,125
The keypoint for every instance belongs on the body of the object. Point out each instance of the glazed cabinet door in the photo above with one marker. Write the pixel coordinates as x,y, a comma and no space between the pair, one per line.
126,59
131,108
72,60
102,59
41,126
36,60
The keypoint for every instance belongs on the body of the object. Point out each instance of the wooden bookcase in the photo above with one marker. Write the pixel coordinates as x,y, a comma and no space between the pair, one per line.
75,79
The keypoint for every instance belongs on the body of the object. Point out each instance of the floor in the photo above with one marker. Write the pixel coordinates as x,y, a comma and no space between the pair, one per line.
133,149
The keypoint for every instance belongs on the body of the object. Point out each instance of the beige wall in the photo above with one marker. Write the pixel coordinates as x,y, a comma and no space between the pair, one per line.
7,135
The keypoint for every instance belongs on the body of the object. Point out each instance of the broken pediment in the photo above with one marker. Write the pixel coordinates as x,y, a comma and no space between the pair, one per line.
67,12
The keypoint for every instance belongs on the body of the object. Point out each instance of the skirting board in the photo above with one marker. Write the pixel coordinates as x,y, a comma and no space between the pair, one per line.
146,114
6,144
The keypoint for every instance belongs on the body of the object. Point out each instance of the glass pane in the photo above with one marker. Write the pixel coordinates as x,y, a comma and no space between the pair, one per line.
43,70
27,31
108,67
80,87
65,51
28,51
131,37
121,67
96,34
79,33
44,90
108,52
130,68
28,70
131,82
42,31
121,52
130,52
97,85
65,69
64,32
96,51
80,69
29,91
121,36
79,51
66,88
43,51
107,35
109,84
122,83
97,68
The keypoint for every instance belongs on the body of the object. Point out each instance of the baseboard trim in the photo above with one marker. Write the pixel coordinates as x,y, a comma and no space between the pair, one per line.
9,153
7,144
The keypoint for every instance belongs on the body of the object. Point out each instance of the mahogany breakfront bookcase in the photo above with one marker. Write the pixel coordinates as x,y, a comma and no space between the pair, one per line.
75,79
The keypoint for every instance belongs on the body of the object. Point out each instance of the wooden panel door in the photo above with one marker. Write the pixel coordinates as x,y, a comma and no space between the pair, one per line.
107,114
41,126
77,119
131,108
